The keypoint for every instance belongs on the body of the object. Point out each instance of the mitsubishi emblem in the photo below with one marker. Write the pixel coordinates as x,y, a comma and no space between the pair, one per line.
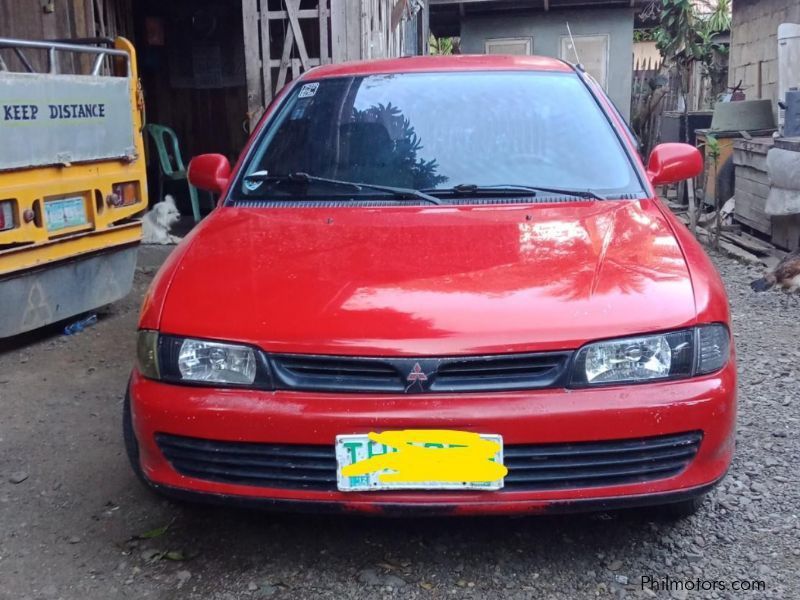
416,376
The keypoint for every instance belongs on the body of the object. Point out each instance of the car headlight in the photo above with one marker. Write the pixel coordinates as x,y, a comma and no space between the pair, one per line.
672,355
199,360
189,360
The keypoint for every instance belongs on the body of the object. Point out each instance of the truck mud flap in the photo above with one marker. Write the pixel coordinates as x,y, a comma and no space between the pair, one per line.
40,297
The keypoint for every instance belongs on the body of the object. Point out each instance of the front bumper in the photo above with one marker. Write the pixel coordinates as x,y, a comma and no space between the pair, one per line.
544,416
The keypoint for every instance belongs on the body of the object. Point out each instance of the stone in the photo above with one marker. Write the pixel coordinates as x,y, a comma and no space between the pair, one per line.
369,577
183,576
615,565
394,581
17,477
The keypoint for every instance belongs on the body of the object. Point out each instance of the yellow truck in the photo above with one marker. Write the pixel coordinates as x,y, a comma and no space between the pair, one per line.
72,178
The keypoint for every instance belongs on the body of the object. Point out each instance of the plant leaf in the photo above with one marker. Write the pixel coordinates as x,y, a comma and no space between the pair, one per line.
154,533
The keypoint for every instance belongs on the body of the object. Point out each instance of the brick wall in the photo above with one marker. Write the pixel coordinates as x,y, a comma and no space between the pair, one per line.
754,44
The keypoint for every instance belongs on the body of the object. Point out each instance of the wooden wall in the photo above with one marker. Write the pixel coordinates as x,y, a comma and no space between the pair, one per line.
209,119
57,19
63,19
193,76
284,38
209,67
378,29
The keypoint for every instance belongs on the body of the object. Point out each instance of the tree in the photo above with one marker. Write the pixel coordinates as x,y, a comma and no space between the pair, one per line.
713,152
685,35
443,45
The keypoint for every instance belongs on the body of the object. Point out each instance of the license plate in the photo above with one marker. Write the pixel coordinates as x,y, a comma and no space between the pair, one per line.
65,213
420,460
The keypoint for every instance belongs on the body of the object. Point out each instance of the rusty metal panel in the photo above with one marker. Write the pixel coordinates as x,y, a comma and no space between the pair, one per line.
33,299
48,119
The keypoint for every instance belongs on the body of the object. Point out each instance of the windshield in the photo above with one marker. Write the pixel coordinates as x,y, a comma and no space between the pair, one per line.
436,131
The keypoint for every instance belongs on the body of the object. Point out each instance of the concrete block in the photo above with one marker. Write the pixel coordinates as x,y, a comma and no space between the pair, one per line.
770,90
736,75
770,71
769,47
751,80
736,56
745,31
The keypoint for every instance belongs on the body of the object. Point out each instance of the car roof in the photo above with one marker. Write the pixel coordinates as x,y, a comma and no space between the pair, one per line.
439,63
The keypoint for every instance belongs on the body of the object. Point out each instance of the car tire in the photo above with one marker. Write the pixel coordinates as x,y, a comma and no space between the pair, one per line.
131,444
683,509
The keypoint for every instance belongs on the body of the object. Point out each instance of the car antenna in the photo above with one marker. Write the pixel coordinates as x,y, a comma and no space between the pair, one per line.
574,48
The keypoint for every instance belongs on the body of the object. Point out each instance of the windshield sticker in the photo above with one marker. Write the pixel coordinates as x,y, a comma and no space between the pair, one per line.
308,90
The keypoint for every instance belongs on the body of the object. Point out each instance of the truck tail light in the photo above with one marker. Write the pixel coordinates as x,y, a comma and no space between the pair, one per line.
7,215
124,194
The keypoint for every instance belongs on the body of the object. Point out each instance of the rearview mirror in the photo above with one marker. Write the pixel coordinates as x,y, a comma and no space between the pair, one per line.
210,172
670,163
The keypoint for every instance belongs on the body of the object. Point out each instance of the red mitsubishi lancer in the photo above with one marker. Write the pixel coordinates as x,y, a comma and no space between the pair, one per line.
437,284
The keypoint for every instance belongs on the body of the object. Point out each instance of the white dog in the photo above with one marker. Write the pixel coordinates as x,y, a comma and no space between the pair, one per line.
157,222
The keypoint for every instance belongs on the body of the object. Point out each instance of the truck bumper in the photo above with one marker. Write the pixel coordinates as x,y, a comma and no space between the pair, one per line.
38,297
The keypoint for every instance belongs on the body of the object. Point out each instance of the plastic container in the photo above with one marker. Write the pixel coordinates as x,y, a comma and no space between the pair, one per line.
791,124
80,325
788,61
744,115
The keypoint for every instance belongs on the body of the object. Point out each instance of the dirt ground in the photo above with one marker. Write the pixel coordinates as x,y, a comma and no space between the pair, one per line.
72,514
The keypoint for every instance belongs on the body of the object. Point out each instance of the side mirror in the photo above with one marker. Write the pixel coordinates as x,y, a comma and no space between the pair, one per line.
670,163
209,172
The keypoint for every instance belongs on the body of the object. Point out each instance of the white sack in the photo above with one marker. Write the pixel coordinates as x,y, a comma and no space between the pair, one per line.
783,168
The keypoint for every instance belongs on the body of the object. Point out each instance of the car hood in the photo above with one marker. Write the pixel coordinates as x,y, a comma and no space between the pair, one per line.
430,281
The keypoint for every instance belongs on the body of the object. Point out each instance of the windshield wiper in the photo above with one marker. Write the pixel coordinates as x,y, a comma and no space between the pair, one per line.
470,189
305,178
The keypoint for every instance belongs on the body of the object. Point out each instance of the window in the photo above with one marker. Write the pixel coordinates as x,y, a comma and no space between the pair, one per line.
520,46
592,53
437,130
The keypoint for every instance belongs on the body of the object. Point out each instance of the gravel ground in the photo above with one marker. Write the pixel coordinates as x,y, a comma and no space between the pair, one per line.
72,515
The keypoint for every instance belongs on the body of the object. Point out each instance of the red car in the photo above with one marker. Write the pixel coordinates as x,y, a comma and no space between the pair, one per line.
419,248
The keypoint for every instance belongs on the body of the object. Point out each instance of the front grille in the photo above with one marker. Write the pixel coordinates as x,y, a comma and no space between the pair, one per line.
330,373
530,467
264,465
591,464
499,372
418,375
